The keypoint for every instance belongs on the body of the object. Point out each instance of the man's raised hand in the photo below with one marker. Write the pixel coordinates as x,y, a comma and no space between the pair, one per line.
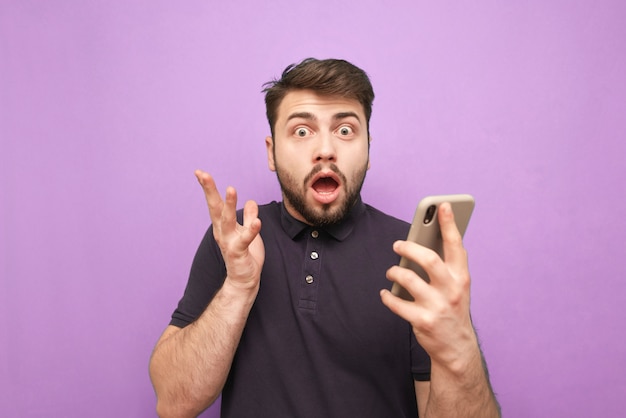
241,245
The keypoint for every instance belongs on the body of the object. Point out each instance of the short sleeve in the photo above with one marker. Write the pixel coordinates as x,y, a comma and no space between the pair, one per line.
205,278
420,361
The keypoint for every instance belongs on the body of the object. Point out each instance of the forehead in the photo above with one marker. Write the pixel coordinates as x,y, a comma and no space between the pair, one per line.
321,106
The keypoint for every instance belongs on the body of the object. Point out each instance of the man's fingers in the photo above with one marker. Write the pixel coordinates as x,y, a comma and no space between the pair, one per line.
428,259
224,213
251,222
453,252
228,221
213,198
410,311
250,212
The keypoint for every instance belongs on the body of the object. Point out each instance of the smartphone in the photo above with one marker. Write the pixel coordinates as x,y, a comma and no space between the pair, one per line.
425,230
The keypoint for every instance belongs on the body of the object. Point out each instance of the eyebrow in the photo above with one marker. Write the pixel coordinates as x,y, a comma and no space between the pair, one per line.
343,115
312,117
302,115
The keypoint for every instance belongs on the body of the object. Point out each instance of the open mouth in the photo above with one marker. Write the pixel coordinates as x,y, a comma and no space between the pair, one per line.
326,187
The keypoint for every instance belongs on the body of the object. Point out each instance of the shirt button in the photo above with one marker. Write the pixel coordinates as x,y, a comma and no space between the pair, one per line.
309,279
315,234
314,255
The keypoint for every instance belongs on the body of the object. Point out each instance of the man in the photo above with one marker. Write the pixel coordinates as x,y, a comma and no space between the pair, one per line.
288,319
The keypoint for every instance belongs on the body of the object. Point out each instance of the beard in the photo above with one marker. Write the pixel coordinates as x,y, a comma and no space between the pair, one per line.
327,214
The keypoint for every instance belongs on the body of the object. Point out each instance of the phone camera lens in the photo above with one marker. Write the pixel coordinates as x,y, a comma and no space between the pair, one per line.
430,213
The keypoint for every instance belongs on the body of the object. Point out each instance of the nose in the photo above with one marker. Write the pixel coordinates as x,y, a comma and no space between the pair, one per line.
325,150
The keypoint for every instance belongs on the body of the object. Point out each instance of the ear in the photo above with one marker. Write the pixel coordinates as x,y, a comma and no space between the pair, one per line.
369,142
269,145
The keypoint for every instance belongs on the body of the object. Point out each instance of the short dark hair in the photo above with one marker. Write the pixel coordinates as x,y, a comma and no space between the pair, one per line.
329,77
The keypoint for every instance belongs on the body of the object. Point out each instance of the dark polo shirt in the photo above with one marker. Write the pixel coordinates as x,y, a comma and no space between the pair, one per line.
318,341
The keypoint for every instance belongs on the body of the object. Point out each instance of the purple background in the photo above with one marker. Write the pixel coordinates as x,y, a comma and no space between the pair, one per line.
106,108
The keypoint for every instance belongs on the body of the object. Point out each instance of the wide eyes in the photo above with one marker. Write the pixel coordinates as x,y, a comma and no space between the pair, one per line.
302,132
344,131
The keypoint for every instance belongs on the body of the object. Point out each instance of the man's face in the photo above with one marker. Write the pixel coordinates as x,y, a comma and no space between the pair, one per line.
320,153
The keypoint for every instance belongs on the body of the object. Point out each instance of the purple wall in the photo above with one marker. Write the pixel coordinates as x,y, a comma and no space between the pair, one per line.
106,108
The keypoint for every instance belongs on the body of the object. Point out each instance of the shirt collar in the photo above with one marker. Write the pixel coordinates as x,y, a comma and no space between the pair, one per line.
339,231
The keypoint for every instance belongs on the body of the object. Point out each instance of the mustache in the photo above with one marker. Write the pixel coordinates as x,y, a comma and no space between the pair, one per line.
319,168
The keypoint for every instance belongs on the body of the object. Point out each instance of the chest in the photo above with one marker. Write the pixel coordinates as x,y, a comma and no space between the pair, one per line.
320,292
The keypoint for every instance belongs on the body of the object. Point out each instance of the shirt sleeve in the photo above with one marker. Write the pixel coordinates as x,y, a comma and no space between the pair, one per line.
207,275
420,361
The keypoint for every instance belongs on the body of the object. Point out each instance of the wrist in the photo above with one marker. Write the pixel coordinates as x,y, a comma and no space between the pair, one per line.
457,364
457,358
240,290
232,303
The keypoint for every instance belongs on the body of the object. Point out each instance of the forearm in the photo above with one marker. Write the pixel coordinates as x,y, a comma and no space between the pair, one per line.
463,389
189,367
